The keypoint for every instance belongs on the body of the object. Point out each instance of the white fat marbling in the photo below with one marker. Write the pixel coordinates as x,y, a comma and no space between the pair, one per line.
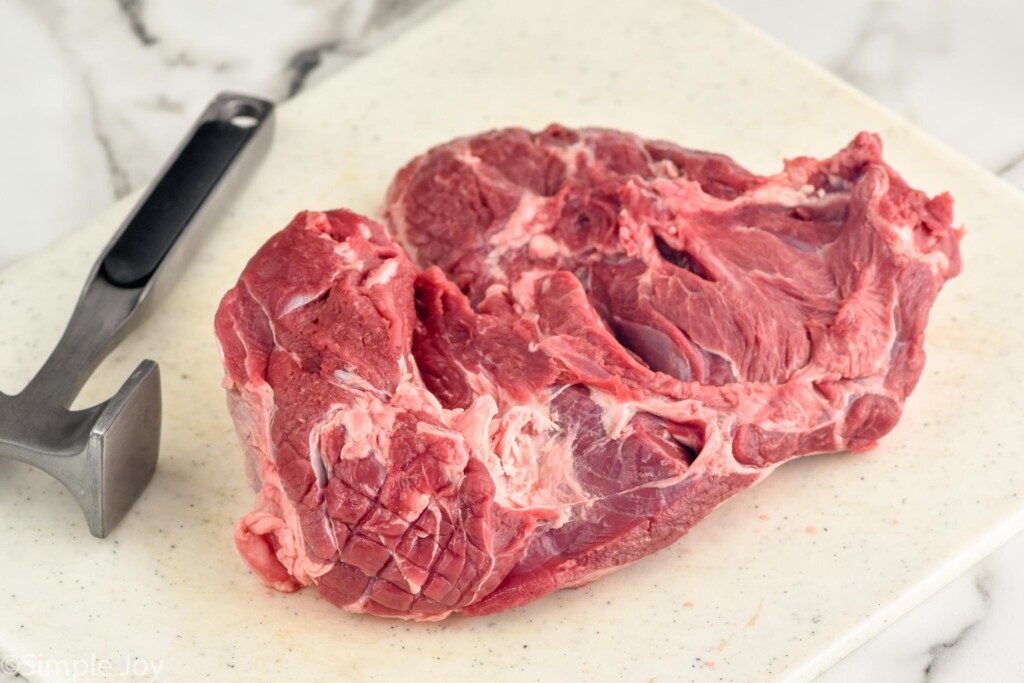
97,93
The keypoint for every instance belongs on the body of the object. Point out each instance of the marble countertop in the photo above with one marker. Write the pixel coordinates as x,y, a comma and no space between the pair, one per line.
104,90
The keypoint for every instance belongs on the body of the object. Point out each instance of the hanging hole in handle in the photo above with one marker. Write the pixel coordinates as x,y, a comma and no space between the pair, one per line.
243,121
242,114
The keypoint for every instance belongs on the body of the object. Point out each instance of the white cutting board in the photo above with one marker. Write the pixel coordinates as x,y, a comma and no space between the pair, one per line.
776,585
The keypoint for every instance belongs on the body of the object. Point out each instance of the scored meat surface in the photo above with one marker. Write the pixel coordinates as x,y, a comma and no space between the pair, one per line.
585,342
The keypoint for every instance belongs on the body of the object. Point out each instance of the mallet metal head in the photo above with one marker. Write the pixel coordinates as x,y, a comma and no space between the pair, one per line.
105,455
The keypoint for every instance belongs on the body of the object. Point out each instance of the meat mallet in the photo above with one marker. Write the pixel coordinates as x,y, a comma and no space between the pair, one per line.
107,454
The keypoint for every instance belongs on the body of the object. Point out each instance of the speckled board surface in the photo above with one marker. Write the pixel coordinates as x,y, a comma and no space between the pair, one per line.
776,585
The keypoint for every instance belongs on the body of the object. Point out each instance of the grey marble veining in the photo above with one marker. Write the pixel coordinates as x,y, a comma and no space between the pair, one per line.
98,93
945,66
105,89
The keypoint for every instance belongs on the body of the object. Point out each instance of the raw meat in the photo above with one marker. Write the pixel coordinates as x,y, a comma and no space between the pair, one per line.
608,338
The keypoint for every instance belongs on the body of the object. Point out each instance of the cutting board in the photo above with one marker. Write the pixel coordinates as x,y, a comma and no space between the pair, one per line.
775,585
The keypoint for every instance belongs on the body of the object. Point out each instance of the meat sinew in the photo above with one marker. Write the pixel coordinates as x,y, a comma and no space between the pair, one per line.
607,339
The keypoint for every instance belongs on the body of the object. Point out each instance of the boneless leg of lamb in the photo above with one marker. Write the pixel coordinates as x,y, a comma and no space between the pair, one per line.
602,339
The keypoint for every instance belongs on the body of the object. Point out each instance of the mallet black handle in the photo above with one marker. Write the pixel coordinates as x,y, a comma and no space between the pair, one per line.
154,242
191,178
